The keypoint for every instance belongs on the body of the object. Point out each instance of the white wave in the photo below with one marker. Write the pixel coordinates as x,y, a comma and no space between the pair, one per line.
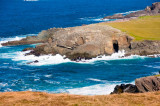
128,12
42,60
58,59
93,79
15,38
3,84
48,76
152,66
100,19
115,56
99,89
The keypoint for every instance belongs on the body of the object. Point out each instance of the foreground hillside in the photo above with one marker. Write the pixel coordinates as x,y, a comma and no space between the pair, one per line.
45,99
144,28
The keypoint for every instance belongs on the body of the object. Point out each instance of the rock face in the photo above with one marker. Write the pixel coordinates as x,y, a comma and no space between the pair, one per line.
149,10
146,84
144,48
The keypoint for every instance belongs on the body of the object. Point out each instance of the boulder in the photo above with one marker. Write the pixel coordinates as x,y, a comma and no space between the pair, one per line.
148,84
125,88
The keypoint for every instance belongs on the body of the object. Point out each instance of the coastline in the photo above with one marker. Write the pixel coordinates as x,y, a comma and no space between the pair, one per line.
79,43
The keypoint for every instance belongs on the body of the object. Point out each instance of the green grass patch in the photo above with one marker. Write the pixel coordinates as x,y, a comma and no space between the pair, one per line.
143,28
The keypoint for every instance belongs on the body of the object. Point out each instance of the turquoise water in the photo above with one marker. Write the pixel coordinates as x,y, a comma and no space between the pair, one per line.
53,73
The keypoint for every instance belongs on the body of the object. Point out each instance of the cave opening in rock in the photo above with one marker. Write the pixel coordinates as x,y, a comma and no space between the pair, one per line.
115,45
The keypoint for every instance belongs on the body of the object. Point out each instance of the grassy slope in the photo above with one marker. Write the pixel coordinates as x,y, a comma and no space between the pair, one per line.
44,99
144,28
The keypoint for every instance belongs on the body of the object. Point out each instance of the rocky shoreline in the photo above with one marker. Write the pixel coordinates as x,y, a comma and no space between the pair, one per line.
142,85
154,9
89,41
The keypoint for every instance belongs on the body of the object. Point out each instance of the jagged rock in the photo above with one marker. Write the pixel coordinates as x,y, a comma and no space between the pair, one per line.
125,88
148,84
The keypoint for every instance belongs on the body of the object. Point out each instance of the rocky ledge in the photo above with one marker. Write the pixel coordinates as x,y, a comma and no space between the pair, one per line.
142,85
154,9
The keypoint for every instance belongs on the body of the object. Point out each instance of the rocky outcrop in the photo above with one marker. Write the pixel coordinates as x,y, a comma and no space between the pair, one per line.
80,42
115,16
148,84
149,10
144,48
145,84
125,88
41,38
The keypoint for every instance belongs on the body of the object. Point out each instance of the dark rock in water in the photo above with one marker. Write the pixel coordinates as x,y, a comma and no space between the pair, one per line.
125,88
148,84
115,16
36,61
26,49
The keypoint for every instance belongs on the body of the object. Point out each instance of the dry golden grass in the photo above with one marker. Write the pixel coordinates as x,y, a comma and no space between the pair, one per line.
44,99
143,28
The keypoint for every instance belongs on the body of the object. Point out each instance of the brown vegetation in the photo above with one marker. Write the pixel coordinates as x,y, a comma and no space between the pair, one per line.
44,99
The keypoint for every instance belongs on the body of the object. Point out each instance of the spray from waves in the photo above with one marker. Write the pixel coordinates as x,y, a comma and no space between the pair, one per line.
58,59
96,19
14,38
42,60
99,89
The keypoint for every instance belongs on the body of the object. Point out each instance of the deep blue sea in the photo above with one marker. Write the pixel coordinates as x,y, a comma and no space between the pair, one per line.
53,74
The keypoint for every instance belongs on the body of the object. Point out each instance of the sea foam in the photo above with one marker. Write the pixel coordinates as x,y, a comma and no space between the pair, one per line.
58,59
14,38
98,89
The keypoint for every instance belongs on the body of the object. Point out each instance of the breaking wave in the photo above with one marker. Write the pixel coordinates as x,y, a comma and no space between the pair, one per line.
58,59
15,38
98,89
100,18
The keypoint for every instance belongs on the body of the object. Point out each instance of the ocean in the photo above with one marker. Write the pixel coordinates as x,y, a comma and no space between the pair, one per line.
54,74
